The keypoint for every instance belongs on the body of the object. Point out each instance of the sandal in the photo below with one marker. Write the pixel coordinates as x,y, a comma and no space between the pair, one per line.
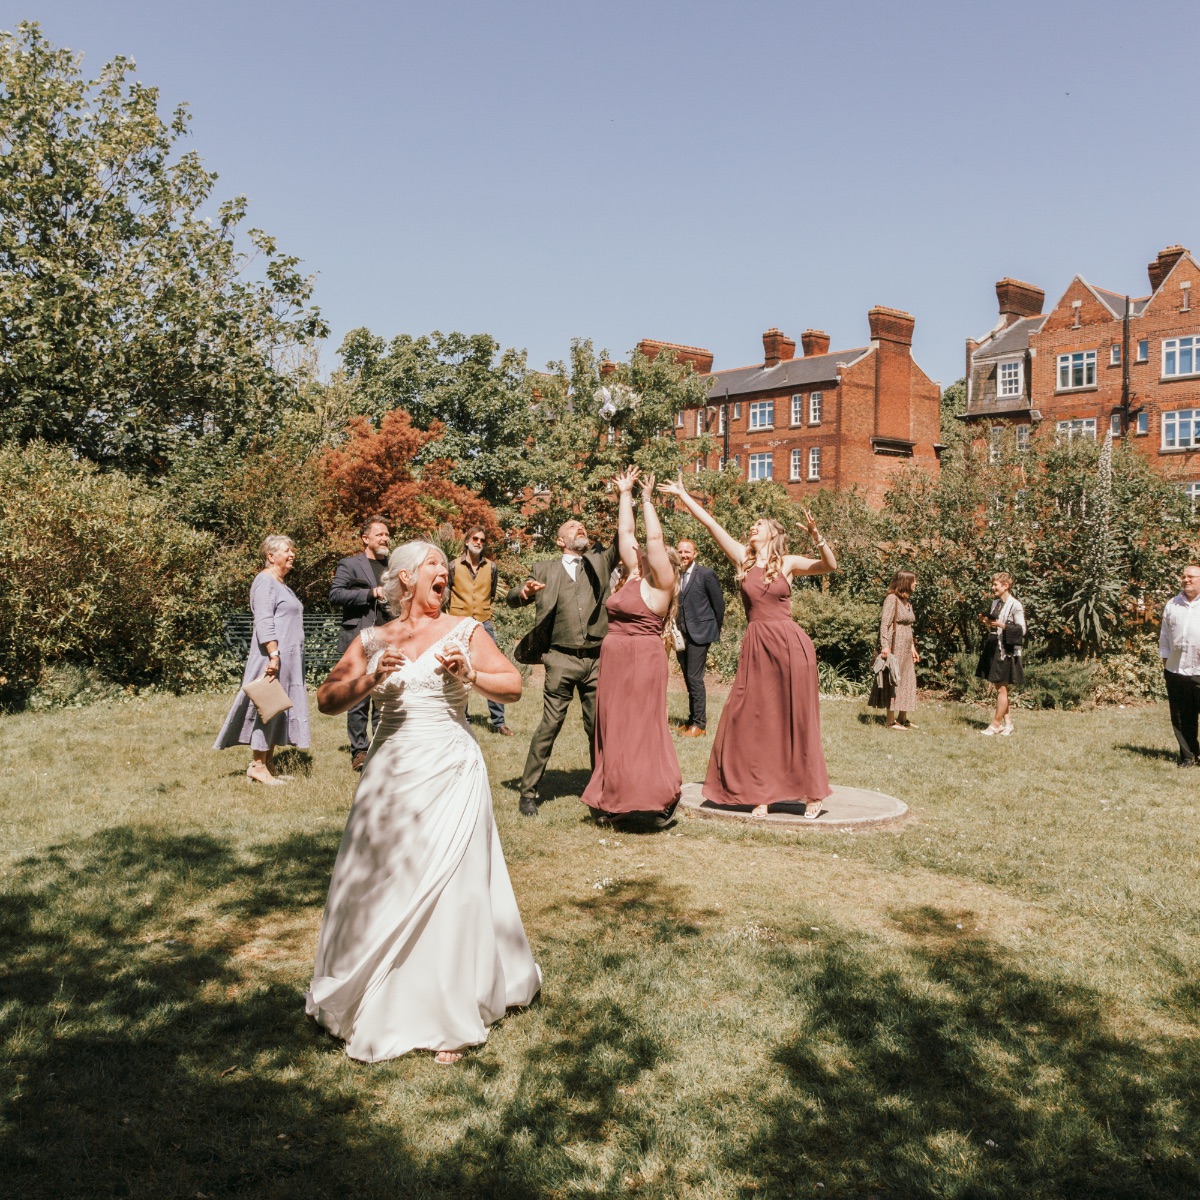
813,809
258,777
992,730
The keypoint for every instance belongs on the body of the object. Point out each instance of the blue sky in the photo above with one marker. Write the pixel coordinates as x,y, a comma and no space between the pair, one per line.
690,172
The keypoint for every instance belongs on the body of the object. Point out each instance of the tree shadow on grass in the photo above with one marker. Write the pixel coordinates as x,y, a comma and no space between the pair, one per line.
556,783
969,1077
143,1054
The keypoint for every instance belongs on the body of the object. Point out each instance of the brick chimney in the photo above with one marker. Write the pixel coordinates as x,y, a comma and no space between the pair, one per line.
814,341
891,325
607,367
1018,299
700,358
892,330
777,348
1160,268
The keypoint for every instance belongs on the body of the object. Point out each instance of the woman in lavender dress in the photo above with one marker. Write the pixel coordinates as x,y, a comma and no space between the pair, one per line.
277,651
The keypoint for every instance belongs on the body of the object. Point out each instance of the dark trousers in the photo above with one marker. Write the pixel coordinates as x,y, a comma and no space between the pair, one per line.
356,724
1183,696
692,660
495,711
565,676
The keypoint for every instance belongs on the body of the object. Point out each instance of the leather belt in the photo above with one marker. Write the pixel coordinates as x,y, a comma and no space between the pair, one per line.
578,651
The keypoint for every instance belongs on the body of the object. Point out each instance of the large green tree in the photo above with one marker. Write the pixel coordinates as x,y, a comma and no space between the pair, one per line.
131,319
464,382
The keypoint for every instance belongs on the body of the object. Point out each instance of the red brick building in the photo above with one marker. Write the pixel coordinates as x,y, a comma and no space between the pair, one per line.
837,419
1098,360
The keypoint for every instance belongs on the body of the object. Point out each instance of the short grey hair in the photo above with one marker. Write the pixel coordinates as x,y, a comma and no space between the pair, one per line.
274,542
407,558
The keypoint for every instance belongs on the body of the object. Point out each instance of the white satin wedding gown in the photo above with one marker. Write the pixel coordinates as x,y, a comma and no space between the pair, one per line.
421,943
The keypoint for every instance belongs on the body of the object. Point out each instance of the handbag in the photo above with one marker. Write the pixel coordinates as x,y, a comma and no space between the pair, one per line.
677,637
268,696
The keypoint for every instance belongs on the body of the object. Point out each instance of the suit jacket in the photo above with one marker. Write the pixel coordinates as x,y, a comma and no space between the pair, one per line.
702,607
597,566
353,582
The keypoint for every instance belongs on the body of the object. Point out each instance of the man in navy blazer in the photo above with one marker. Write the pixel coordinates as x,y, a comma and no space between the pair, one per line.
701,615
357,591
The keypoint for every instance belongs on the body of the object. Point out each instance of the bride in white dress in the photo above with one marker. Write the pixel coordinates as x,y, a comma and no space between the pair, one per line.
421,943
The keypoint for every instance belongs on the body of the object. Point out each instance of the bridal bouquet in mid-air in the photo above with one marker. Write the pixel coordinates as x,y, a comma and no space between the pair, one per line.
619,398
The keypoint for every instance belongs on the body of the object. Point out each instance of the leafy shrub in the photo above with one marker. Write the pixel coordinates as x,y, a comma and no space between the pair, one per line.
96,571
845,631
1057,683
833,682
1132,675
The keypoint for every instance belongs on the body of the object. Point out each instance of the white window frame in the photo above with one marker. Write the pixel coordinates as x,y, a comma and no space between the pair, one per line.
816,401
721,420
737,411
700,422
1077,427
757,462
732,462
814,463
1114,424
757,409
798,408
1175,348
1142,427
796,471
1067,365
1011,388
680,418
1021,438
1114,354
1143,350
1171,422
1192,492
995,443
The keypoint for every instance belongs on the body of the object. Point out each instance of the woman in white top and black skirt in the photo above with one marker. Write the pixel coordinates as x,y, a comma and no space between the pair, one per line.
1000,661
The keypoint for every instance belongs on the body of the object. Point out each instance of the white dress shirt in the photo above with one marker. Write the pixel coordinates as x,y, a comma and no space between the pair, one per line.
570,562
1179,641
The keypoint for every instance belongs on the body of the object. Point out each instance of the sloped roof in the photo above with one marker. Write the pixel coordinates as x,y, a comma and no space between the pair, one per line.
792,372
1115,302
1012,340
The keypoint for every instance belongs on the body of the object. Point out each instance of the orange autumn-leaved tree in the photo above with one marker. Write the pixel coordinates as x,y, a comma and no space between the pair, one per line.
376,471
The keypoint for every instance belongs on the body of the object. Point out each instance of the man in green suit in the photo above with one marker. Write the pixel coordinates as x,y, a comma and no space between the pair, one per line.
570,624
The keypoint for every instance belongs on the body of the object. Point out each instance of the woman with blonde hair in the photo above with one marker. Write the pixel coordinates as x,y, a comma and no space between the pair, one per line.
636,771
767,755
276,652
1000,661
421,943
896,641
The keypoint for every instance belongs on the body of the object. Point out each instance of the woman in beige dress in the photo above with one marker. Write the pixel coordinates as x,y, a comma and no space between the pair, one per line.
896,638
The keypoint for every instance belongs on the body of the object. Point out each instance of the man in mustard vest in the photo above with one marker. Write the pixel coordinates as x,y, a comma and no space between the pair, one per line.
473,581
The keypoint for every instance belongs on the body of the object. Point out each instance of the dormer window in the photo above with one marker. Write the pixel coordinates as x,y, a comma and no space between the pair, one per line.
1009,381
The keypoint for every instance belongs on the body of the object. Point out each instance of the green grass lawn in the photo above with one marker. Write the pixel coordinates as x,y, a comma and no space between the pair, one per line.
995,998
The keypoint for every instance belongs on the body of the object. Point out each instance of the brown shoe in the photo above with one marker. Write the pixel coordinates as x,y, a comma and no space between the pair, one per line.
502,730
356,763
693,731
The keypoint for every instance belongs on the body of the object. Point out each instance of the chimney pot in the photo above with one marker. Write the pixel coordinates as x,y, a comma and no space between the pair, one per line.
777,348
814,341
1160,268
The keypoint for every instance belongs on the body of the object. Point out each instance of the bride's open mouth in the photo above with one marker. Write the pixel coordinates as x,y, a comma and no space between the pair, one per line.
438,589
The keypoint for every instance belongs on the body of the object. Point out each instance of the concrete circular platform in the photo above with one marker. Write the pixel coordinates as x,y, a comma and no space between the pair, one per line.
848,807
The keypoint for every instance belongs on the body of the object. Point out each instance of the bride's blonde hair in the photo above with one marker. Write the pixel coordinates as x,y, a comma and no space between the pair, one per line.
776,549
397,595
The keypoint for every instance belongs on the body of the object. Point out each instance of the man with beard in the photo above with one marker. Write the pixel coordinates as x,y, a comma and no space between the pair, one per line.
570,624
358,591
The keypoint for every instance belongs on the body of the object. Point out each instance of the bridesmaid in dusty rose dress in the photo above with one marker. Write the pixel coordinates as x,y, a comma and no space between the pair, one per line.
636,770
767,754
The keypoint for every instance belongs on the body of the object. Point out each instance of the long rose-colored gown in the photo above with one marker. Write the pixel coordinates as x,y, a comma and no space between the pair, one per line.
636,769
768,743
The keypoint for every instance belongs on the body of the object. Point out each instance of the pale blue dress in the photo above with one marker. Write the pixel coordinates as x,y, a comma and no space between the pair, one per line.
278,617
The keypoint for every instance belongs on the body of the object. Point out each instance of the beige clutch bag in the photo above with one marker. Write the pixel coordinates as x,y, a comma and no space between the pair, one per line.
268,697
